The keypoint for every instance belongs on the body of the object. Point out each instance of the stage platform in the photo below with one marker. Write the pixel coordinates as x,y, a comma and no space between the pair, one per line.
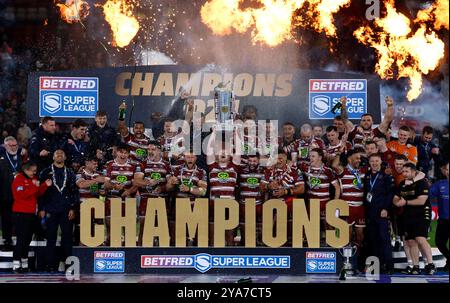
6,277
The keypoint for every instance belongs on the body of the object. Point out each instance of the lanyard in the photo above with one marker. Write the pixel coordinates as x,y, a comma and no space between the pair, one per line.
355,172
14,166
78,147
372,183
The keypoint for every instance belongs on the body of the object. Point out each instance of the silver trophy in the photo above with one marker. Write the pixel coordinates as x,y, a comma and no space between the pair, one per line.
347,269
224,107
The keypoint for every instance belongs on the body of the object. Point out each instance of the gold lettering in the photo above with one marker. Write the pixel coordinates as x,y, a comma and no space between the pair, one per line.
85,222
144,84
121,90
242,85
210,81
264,85
195,219
221,224
311,224
156,210
284,85
280,237
192,83
250,223
332,239
164,84
128,222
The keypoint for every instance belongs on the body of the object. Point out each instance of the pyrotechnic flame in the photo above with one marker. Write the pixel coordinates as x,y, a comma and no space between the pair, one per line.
73,10
320,15
402,52
272,22
438,13
118,13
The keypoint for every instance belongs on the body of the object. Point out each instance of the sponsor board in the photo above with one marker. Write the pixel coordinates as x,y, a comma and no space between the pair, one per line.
68,97
324,94
320,262
109,261
204,262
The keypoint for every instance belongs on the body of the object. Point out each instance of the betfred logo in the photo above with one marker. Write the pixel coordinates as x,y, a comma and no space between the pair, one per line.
320,262
324,94
204,262
109,261
68,97
109,254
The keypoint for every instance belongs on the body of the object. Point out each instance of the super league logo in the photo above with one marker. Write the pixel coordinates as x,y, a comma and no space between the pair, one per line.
52,102
321,104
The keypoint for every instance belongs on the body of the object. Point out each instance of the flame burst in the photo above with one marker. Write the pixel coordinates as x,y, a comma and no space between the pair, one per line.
73,10
273,20
402,52
320,15
119,15
438,13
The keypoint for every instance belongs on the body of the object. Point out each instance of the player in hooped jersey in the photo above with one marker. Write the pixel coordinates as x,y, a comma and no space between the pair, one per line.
304,145
120,173
223,166
90,185
363,132
152,183
137,140
250,178
187,181
172,143
351,179
335,146
283,182
319,180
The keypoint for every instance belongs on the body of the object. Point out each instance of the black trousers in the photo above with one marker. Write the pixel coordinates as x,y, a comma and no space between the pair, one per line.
7,222
54,221
378,240
23,224
442,236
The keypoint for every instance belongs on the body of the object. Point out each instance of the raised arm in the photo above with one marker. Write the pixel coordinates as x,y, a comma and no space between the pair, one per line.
388,115
344,115
122,127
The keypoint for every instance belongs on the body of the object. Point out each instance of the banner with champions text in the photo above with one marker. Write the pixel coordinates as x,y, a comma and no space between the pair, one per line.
296,96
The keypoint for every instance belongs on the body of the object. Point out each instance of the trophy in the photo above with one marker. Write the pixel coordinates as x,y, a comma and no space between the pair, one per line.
224,102
347,269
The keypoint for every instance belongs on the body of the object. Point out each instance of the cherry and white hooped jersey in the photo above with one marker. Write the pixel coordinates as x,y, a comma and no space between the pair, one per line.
155,170
358,138
287,177
352,189
223,181
249,183
249,146
121,174
93,190
332,150
138,148
190,178
302,148
318,181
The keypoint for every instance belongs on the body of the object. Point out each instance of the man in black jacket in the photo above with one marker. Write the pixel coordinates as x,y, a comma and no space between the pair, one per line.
102,138
10,163
378,195
58,206
44,142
